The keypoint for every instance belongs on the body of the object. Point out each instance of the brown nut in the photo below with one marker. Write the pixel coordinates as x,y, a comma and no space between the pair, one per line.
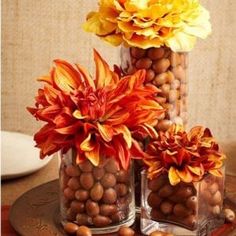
83,231
118,216
86,166
108,180
165,89
72,171
121,190
96,192
160,233
143,63
156,183
73,183
175,59
150,75
122,176
83,219
156,214
161,66
179,73
181,211
92,208
213,188
173,95
216,198
70,214
229,215
175,84
86,180
98,173
154,200
170,77
190,221
160,79
101,221
107,210
109,196
166,207
125,231
164,125
215,210
69,193
77,207
156,53
184,191
192,203
81,195
71,228
111,166
137,52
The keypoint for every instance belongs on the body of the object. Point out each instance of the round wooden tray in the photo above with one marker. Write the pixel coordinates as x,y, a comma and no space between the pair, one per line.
36,213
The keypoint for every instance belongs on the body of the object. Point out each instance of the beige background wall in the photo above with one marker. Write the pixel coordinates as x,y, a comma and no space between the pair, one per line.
34,32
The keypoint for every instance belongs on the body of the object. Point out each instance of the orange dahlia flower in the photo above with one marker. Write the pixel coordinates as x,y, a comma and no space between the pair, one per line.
96,116
150,23
184,156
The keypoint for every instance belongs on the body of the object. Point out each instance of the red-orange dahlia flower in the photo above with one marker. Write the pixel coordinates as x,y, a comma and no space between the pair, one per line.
184,156
96,116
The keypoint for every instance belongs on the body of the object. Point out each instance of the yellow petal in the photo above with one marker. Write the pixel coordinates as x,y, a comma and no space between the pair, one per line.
173,176
106,132
93,155
122,129
77,114
87,145
185,175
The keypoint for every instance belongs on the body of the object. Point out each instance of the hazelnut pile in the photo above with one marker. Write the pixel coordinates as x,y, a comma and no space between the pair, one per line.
180,203
95,196
167,71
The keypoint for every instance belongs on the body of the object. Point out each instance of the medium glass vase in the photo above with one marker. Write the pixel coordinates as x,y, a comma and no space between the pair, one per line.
100,197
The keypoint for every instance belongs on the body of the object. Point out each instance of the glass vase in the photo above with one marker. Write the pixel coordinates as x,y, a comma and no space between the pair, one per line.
192,209
100,197
166,70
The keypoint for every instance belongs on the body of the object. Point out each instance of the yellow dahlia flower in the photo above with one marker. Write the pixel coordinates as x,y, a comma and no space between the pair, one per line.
150,23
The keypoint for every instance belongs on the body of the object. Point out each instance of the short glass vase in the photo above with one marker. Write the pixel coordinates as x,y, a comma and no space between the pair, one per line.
191,209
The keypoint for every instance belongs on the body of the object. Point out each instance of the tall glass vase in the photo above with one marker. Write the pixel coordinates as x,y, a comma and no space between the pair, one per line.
166,70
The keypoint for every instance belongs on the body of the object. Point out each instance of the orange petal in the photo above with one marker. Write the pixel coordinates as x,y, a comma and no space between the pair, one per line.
87,145
94,155
65,76
173,176
217,173
122,129
185,175
67,130
77,114
196,170
103,72
87,78
106,132
47,79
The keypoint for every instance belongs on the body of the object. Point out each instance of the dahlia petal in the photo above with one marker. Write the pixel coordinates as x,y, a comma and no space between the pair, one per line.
217,173
173,176
77,114
94,155
103,73
199,171
122,129
87,145
185,175
106,132
87,78
46,79
65,76
67,130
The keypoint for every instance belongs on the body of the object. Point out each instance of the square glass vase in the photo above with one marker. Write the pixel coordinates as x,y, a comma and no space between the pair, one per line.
191,209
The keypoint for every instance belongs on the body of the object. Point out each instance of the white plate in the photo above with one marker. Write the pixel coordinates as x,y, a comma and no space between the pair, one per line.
19,157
